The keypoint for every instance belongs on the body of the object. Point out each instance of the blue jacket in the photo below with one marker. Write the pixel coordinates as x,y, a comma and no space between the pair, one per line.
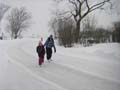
50,43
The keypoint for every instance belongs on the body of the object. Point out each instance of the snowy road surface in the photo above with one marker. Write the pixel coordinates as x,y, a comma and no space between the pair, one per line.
67,71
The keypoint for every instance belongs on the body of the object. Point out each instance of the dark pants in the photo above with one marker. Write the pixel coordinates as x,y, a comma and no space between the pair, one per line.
49,53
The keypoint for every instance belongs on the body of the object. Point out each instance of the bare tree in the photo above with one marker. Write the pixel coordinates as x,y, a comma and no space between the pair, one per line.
3,9
81,8
65,32
18,21
116,32
53,25
89,23
63,29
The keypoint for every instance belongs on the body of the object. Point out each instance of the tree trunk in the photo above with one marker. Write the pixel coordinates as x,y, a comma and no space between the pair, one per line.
15,37
77,32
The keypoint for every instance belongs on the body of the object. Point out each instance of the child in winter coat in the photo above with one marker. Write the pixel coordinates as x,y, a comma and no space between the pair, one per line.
41,52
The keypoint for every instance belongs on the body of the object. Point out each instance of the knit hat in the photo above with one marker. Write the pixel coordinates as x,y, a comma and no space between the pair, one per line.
40,42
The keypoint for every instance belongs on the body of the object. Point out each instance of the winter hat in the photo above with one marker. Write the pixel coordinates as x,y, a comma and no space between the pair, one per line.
40,42
51,36
41,39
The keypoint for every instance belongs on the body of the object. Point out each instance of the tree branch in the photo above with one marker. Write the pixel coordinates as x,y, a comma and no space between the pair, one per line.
98,5
74,3
86,1
96,8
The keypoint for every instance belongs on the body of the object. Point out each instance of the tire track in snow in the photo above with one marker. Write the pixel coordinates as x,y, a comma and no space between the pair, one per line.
62,76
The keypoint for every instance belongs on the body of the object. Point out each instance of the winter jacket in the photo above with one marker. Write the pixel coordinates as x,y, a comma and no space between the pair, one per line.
50,43
41,51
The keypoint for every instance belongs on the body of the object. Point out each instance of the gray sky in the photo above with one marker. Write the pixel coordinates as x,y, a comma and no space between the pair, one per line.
40,10
41,14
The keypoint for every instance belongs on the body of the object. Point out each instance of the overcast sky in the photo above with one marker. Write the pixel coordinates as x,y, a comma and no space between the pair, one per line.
40,10
41,14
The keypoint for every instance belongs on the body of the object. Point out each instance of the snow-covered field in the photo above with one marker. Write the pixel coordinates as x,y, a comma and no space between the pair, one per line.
79,68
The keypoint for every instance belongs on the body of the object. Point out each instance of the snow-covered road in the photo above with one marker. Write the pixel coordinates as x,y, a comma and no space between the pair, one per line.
62,73
67,71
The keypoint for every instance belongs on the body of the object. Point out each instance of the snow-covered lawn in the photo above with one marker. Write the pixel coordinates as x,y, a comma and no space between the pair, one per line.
79,68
